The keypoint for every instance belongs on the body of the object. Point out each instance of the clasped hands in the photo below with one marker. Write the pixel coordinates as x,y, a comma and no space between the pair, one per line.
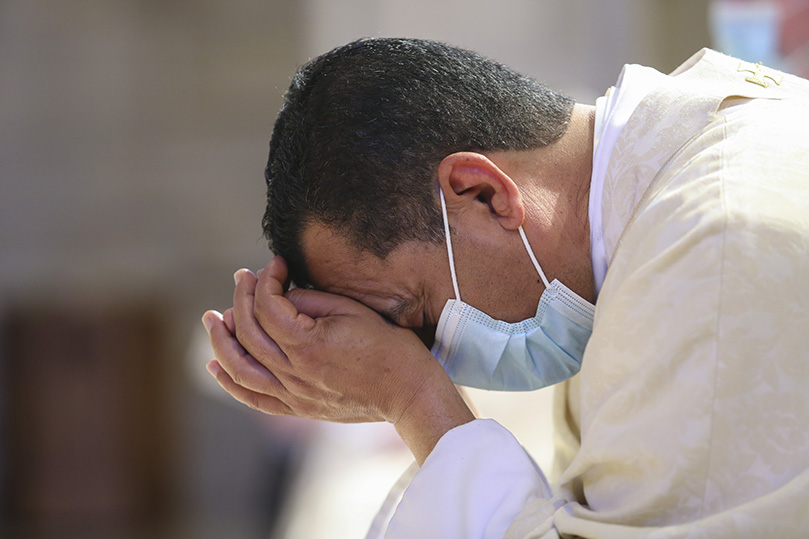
313,354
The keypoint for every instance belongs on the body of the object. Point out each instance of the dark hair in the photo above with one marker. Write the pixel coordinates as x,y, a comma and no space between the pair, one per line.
364,127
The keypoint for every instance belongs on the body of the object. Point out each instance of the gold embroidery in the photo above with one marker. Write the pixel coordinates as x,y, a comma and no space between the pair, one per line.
759,74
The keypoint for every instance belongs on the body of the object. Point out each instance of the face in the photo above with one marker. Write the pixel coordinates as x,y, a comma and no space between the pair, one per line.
411,286
394,287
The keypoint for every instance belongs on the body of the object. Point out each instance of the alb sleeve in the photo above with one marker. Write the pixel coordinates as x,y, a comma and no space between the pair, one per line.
475,482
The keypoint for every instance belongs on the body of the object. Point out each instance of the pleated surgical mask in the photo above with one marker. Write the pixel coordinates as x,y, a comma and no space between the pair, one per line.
478,351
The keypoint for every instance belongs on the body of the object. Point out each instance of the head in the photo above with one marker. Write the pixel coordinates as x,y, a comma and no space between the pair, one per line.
357,145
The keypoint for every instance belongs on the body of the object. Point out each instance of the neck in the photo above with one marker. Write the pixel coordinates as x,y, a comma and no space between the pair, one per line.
576,171
554,183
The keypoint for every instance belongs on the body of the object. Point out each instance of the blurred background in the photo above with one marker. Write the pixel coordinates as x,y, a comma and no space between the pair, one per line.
133,136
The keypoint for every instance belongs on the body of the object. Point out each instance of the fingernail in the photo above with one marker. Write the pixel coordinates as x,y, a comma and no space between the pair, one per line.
206,321
211,367
236,276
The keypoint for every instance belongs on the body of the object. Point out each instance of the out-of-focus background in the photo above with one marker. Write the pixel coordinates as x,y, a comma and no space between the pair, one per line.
133,135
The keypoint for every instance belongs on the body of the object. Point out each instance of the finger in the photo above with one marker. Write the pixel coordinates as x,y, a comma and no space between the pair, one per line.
238,363
255,400
208,318
275,313
227,316
249,333
276,269
317,304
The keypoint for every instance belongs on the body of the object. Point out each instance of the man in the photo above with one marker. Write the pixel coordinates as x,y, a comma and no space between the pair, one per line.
404,172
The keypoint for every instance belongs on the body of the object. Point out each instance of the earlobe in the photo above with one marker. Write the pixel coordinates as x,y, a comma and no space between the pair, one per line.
472,179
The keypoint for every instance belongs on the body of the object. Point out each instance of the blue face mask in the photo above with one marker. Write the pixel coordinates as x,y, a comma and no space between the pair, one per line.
479,351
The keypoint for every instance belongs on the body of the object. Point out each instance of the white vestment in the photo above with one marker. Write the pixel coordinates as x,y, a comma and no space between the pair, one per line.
690,416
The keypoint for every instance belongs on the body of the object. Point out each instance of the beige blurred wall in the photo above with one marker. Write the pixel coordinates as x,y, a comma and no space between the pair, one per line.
575,45
133,140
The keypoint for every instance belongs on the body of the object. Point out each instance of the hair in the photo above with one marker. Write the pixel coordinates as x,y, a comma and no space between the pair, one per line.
363,128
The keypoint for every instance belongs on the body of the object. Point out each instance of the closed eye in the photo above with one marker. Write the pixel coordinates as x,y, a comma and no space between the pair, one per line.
425,331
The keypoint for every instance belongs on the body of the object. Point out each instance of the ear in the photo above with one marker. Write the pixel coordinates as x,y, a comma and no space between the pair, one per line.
471,180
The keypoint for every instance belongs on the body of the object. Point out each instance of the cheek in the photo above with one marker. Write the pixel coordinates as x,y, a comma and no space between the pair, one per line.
508,294
437,300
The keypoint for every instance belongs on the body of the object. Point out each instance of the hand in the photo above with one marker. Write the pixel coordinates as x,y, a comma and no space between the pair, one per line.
312,354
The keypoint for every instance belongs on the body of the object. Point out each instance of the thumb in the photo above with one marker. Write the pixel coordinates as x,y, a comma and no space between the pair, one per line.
280,318
275,273
277,315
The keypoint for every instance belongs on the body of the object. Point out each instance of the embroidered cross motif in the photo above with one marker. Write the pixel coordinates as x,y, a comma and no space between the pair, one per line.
760,74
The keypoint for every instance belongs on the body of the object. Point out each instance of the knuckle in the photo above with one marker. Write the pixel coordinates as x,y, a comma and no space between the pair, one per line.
309,409
251,401
268,351
239,377
295,384
240,334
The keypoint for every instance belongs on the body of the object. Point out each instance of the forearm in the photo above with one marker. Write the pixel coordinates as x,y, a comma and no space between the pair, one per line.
435,408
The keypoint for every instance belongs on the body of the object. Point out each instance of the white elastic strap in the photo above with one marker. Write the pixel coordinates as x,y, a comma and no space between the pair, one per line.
449,245
533,258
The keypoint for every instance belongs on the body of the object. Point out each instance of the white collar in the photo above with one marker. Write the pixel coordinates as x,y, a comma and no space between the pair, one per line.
612,113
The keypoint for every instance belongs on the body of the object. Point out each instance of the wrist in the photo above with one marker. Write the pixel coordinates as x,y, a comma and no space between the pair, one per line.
434,408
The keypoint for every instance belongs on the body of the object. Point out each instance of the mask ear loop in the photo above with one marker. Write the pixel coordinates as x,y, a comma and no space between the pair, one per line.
533,258
449,245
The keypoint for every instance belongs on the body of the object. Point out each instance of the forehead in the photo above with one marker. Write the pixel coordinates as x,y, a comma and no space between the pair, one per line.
383,285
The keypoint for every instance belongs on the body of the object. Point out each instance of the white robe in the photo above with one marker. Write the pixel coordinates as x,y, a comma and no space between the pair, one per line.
690,417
